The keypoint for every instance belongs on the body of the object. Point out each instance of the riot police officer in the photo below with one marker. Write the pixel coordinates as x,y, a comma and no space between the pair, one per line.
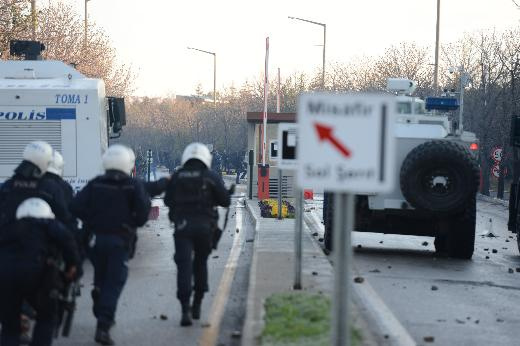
111,206
27,182
192,195
55,173
26,249
54,176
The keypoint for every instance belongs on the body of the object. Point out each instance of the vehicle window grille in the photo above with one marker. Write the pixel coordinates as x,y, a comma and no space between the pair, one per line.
15,135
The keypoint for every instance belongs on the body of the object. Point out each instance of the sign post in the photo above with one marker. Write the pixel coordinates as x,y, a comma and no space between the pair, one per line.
287,139
251,162
280,200
496,155
298,240
148,163
349,148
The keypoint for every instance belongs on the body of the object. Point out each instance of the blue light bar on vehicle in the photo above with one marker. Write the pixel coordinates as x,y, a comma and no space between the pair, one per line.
442,103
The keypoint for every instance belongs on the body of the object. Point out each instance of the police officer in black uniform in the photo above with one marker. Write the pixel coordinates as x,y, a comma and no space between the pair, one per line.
54,176
192,195
26,248
27,182
111,206
54,173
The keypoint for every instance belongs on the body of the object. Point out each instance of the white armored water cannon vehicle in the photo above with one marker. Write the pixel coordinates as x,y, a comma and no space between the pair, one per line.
51,101
437,180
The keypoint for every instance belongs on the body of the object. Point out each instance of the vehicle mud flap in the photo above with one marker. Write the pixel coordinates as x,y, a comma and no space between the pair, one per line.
439,176
460,240
517,228
328,219
441,239
513,208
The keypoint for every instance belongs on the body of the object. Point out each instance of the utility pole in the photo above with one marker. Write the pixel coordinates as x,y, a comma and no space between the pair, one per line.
215,81
33,19
86,25
436,72
323,62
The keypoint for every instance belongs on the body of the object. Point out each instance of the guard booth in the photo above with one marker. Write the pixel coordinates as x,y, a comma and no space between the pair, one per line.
254,142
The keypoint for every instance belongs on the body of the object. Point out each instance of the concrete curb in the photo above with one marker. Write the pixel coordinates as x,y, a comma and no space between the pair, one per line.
493,200
251,327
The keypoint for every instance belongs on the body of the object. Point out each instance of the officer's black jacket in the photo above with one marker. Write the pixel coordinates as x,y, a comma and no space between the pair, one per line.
193,193
25,184
67,193
112,203
65,187
31,241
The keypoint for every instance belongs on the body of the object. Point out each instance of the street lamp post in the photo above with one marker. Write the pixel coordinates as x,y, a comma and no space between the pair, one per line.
34,19
437,29
86,25
324,44
214,73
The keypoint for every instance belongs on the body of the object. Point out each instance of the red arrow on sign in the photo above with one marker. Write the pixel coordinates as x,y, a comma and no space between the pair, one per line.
325,134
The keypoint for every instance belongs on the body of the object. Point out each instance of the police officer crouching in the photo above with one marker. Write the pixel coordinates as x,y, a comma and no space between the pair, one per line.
112,206
30,252
192,195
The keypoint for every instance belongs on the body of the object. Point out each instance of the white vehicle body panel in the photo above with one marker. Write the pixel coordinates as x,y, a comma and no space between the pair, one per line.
412,130
51,101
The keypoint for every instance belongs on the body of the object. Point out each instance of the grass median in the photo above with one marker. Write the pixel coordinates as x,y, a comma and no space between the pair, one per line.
299,318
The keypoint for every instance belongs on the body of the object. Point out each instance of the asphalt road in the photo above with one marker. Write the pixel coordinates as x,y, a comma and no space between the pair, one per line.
149,313
454,301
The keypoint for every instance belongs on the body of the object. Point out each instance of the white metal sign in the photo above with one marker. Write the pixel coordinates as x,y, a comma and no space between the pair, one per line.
287,139
497,154
495,170
347,142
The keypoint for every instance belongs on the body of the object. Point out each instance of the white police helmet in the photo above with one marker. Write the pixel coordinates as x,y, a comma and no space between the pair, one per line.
120,158
132,154
197,151
38,153
57,163
34,207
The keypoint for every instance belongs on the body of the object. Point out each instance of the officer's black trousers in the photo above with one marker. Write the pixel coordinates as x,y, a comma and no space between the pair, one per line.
19,284
110,259
191,255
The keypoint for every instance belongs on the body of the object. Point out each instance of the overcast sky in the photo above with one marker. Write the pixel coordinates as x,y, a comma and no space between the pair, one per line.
152,35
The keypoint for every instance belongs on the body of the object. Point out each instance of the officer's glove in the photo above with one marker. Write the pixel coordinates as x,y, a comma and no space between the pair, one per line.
70,274
231,190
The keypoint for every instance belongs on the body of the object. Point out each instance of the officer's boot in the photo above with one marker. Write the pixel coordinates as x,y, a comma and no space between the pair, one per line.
103,334
195,308
186,315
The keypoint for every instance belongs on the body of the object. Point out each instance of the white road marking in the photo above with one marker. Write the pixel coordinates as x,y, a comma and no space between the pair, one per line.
210,335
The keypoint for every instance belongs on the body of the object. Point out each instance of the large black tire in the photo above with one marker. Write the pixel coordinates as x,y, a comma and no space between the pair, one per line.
439,176
328,219
458,239
513,209
517,228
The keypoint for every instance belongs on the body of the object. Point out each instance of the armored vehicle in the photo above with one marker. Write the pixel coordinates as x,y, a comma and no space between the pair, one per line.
438,178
